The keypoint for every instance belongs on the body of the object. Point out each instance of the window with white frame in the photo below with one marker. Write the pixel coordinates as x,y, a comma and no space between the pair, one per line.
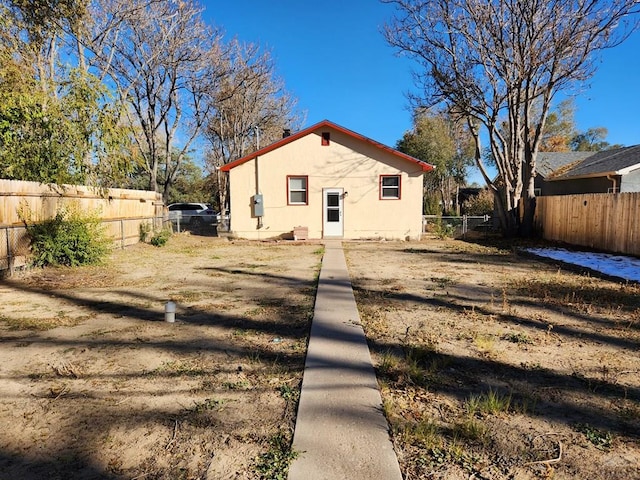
297,187
389,187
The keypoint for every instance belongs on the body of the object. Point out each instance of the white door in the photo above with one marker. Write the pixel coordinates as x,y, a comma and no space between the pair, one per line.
332,212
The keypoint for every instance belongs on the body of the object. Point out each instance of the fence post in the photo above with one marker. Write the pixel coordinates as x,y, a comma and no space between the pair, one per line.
9,256
122,233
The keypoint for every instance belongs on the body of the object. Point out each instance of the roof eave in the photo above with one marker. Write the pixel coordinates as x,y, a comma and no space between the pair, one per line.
580,177
629,169
424,167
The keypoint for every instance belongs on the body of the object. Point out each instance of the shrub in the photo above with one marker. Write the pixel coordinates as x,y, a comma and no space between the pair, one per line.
70,238
161,238
442,229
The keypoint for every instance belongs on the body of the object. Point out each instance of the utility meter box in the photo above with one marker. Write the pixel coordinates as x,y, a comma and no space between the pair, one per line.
258,205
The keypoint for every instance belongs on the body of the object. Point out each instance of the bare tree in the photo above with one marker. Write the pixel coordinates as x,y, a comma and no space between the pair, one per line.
251,109
498,64
164,61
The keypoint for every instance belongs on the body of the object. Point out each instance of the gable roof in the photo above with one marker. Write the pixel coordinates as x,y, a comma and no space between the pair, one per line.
618,161
550,162
425,167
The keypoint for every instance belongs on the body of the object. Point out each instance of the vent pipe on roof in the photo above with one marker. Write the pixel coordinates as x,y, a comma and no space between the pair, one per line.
286,133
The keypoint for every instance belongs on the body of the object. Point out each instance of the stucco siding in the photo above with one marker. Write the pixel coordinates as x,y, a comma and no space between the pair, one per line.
630,182
346,163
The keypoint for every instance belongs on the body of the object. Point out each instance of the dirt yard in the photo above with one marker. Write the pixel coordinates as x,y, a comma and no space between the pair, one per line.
496,366
492,365
95,384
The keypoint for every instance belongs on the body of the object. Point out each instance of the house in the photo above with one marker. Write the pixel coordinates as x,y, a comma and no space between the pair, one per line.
607,171
326,182
550,162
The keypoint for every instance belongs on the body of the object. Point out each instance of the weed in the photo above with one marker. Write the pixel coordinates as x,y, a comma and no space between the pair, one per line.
442,282
319,251
388,407
425,432
489,403
485,344
471,429
599,438
274,463
388,363
288,393
461,457
254,357
414,372
241,385
519,338
144,230
161,238
206,405
453,453
442,229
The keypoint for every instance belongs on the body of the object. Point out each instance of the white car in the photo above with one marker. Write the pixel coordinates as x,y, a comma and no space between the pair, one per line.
193,214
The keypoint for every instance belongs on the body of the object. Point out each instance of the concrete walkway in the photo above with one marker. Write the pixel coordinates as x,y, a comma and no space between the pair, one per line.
341,432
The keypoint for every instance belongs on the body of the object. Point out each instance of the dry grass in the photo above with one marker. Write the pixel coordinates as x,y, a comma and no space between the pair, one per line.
497,366
106,389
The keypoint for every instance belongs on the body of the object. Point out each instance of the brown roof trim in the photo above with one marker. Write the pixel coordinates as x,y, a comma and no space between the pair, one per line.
425,167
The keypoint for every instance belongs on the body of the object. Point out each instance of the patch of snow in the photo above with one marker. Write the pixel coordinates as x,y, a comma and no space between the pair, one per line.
620,266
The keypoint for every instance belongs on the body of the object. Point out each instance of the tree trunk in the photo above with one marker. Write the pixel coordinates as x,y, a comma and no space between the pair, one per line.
527,229
508,216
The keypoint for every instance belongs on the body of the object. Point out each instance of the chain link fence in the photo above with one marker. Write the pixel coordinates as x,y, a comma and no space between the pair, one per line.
14,248
457,227
15,241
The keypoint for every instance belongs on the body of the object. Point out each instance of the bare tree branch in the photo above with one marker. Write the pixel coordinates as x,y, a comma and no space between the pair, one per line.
499,64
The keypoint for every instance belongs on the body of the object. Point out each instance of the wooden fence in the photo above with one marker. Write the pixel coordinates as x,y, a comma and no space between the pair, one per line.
609,222
122,211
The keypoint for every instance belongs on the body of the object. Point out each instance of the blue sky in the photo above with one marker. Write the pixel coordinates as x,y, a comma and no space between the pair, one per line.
335,61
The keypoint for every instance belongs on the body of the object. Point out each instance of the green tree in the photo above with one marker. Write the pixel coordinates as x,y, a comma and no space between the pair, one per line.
191,185
592,140
438,140
560,133
58,123
73,137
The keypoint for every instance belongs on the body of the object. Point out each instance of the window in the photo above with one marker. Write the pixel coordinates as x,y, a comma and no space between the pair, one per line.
389,187
297,190
326,138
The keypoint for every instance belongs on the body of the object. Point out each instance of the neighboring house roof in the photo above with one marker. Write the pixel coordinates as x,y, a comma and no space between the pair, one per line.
327,124
550,162
618,161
